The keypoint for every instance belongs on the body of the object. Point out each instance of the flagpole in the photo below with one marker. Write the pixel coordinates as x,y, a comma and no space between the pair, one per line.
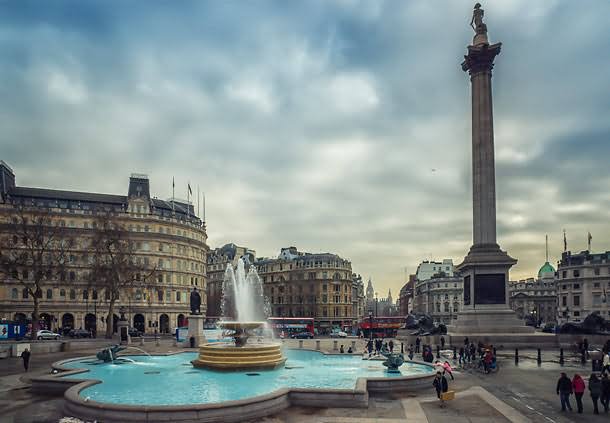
173,195
198,204
188,200
547,248
204,206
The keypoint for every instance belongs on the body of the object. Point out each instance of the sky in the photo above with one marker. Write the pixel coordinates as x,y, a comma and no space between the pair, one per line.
332,126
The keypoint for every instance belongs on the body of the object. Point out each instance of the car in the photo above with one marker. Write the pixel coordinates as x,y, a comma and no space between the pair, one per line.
302,335
339,334
79,333
47,334
549,328
135,333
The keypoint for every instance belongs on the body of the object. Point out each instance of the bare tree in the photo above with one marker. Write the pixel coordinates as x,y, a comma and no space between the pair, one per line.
33,249
116,266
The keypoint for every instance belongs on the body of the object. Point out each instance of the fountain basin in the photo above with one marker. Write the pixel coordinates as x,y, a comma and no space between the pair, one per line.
226,356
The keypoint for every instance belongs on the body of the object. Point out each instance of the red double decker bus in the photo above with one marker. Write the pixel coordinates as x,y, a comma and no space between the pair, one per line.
291,325
382,326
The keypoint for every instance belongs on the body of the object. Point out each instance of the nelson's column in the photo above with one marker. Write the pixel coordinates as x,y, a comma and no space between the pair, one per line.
485,269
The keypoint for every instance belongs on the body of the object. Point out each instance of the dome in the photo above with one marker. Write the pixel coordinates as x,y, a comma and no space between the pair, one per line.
546,270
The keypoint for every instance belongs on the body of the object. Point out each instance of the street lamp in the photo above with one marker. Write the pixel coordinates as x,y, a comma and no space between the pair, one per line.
376,302
371,327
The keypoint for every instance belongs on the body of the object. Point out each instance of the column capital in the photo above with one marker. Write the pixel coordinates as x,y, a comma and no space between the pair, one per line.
480,58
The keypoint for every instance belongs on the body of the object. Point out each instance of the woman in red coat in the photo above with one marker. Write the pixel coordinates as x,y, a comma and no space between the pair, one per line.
578,385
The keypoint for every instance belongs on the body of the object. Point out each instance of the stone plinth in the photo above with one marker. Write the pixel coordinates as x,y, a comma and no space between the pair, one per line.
123,330
195,330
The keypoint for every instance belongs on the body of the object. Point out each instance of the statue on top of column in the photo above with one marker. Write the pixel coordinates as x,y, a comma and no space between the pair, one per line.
477,18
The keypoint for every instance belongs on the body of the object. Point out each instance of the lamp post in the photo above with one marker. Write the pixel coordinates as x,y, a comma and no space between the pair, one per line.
371,327
376,302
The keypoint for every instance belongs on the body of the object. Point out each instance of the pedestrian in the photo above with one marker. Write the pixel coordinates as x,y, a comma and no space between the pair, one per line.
564,390
448,369
605,396
369,347
440,384
473,351
341,350
417,343
606,363
442,342
487,359
349,350
578,386
595,388
391,345
461,356
25,355
466,342
411,352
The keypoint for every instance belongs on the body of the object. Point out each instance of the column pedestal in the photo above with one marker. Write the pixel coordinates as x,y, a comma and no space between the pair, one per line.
123,330
195,330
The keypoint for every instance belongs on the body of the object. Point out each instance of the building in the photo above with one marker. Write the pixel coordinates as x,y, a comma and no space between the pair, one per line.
166,234
358,296
379,306
300,284
583,283
536,298
405,298
217,262
440,296
427,269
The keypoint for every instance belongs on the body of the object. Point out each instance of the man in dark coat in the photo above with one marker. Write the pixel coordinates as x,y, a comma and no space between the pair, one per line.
25,355
564,390
440,384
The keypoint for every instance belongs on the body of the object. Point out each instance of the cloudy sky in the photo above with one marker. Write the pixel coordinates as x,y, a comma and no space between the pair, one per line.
332,126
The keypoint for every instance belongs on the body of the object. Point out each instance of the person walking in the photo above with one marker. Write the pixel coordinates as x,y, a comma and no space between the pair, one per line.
411,352
564,390
605,396
461,356
25,355
440,385
487,360
578,386
606,363
442,342
417,344
391,345
595,388
466,342
369,347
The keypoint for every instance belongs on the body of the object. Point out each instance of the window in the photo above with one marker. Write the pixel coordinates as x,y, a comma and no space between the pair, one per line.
72,294
597,300
576,313
576,286
94,294
596,271
324,287
178,296
576,273
160,296
564,274
564,301
324,298
85,294
577,300
455,307
14,293
72,276
49,294
596,285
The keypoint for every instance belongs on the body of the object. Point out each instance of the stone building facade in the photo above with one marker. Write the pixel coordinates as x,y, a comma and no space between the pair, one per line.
405,297
299,284
166,234
217,262
535,299
583,284
440,296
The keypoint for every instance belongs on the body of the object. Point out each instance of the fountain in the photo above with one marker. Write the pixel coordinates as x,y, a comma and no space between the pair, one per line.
243,299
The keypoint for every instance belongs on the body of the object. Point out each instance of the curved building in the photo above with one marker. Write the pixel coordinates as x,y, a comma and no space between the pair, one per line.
166,234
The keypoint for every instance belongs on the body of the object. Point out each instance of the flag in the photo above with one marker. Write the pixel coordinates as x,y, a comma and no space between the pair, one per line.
589,238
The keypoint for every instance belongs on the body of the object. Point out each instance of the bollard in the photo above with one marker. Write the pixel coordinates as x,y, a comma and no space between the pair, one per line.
354,346
318,345
335,348
142,339
157,341
454,353
300,343
539,359
561,356
516,355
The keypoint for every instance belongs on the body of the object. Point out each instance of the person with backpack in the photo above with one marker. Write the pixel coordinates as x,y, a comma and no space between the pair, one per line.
595,388
605,396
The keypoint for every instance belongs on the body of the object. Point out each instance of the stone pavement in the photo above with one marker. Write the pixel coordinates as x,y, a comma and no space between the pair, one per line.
516,393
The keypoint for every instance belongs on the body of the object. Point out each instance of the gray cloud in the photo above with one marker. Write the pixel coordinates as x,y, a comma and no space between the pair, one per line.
318,124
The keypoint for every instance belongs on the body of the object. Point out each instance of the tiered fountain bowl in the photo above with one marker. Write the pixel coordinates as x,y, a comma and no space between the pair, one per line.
240,355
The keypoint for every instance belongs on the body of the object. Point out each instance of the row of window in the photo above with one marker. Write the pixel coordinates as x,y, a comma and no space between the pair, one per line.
576,273
312,299
138,296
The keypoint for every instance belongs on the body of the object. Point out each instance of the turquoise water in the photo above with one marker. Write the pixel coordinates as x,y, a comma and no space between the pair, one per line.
172,380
